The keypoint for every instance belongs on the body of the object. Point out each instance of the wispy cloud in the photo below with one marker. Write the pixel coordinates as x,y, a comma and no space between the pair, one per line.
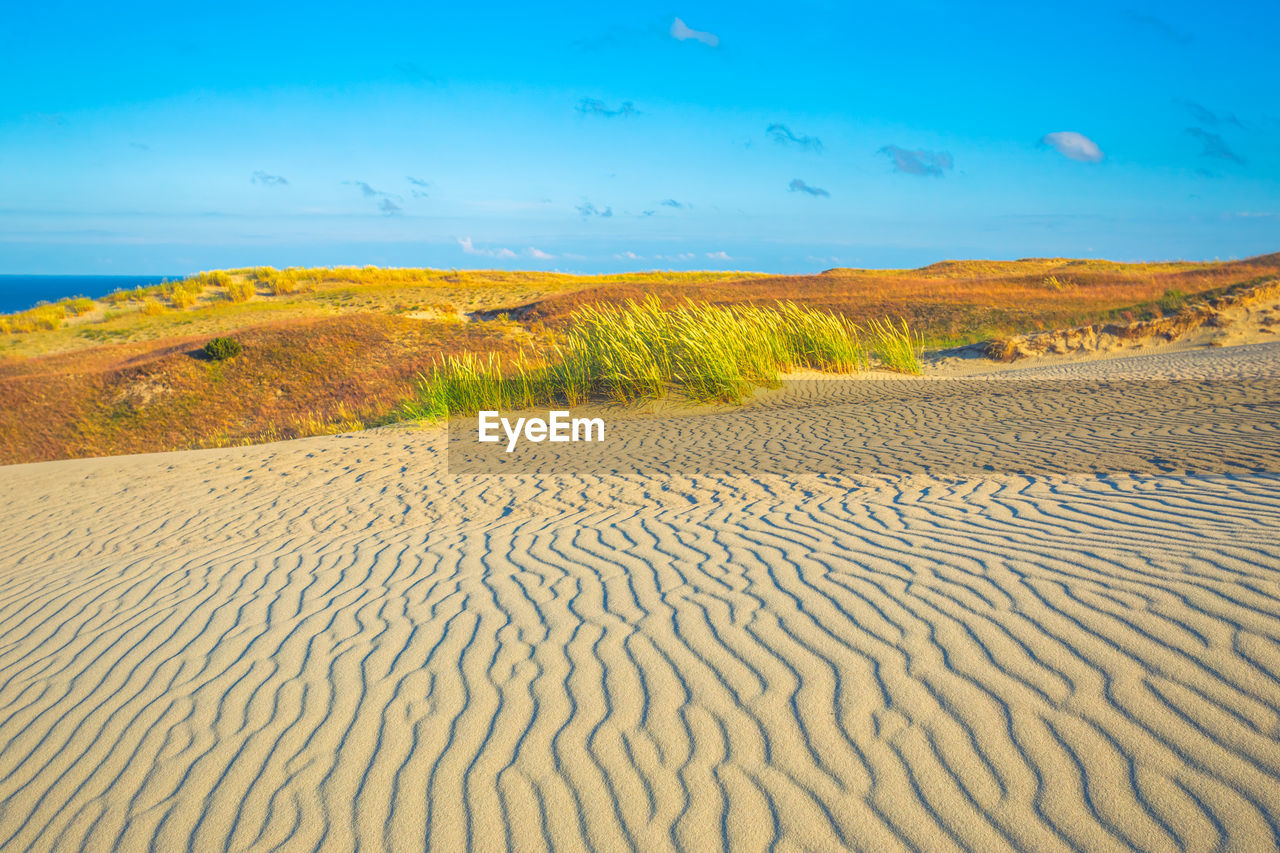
680,31
1159,26
588,209
388,203
1208,117
419,186
719,256
783,135
1073,146
918,162
594,107
799,186
535,252
628,256
471,248
266,180
1213,145
671,202
365,190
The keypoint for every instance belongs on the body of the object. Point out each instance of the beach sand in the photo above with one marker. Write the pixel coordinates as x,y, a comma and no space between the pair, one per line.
1012,615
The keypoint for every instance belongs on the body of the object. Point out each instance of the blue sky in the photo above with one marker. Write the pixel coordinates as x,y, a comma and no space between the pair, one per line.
156,138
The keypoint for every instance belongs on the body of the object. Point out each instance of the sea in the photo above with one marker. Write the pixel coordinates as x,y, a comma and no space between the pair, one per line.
19,292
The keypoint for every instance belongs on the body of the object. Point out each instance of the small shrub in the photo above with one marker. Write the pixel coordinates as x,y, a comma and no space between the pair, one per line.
182,299
152,306
221,349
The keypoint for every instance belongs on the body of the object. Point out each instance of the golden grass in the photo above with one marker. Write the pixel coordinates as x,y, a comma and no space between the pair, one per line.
240,290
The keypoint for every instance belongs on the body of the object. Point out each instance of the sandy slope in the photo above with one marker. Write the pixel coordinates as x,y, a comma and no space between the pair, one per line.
333,643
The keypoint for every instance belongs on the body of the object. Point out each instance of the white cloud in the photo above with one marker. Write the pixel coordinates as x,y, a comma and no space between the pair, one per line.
1074,146
682,32
628,256
535,252
719,256
471,249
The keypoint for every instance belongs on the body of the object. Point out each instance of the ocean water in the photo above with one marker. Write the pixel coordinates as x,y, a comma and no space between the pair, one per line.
19,292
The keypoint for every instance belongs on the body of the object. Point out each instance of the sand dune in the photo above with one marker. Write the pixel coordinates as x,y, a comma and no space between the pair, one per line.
340,642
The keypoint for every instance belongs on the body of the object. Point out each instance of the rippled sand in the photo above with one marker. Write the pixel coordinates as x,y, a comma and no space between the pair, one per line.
335,643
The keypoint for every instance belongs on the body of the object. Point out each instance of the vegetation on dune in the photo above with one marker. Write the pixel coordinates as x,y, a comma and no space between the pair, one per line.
953,302
337,347
240,290
298,377
639,350
221,349
225,300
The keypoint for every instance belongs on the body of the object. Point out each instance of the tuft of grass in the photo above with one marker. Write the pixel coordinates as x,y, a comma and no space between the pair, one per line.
182,298
340,420
897,347
214,278
240,290
152,306
638,351
42,317
77,305
288,281
1172,301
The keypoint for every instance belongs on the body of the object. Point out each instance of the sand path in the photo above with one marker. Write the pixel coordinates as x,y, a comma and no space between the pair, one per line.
335,644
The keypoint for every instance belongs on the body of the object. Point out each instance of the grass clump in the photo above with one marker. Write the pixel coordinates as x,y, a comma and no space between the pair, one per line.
896,347
40,318
214,278
221,349
638,350
240,290
285,282
77,305
1172,301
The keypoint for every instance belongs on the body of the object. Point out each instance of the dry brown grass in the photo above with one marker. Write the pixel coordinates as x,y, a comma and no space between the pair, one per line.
950,302
295,378
326,349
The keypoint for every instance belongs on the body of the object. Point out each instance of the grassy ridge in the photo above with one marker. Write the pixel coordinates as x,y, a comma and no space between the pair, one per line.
327,349
639,350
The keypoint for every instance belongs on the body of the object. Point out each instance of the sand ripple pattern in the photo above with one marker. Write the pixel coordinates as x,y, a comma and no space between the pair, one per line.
331,645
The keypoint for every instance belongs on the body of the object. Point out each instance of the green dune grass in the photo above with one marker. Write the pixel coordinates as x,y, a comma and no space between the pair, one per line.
641,351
